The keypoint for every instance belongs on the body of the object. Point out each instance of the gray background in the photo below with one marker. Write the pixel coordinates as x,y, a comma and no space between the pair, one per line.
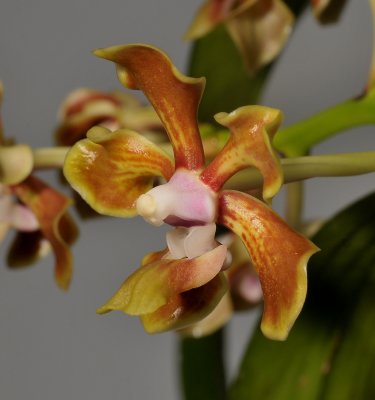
53,345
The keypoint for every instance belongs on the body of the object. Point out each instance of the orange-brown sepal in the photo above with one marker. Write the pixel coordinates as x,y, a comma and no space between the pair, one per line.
111,170
279,255
50,209
252,129
186,308
155,284
174,96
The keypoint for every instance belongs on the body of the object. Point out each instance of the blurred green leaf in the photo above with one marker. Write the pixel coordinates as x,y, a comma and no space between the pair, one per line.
202,368
330,353
228,85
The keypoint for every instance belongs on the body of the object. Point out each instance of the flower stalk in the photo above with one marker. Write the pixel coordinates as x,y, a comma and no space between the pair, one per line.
295,168
298,139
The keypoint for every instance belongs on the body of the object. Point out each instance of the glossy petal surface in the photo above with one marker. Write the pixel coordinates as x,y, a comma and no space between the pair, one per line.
252,129
174,96
111,170
49,207
186,308
279,255
155,284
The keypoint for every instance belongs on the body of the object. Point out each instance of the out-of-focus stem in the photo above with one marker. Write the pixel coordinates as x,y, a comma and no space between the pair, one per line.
301,168
294,204
299,138
49,157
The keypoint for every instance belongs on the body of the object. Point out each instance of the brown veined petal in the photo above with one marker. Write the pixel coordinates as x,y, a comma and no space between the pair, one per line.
174,96
279,255
252,129
154,284
186,308
260,32
49,207
111,170
214,12
327,11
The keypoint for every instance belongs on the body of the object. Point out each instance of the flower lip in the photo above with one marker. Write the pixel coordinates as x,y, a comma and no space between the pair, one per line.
183,201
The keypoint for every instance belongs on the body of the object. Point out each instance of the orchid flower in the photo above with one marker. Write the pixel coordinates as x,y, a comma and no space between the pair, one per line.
114,172
258,28
84,108
244,291
37,212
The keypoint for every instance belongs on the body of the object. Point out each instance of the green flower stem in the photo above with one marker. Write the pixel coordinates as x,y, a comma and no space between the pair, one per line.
295,169
301,168
298,139
49,157
294,204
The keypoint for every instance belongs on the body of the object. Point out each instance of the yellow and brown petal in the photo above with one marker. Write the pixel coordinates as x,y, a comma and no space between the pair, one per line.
278,253
111,170
85,108
174,96
187,308
50,209
157,283
252,130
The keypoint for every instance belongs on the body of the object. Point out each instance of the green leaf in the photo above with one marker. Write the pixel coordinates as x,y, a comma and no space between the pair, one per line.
330,353
228,85
202,368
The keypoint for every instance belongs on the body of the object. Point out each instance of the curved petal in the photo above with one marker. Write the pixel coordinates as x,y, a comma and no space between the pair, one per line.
217,318
155,284
214,12
261,31
174,96
186,308
252,129
279,255
49,207
327,11
111,170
